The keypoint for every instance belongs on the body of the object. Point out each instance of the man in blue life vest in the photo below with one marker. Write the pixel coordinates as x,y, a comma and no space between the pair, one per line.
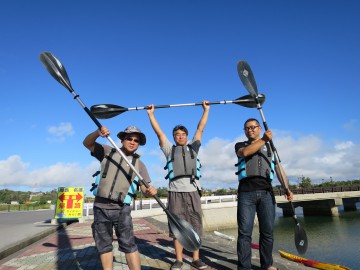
117,186
183,175
255,195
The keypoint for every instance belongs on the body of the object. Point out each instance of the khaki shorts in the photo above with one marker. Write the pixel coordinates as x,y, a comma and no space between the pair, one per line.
186,206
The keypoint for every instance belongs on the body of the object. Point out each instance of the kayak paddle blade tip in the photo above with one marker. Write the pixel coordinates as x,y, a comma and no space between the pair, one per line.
301,242
247,77
56,69
184,233
106,111
249,101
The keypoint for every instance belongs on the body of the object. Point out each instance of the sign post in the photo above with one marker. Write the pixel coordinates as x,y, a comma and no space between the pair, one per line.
70,202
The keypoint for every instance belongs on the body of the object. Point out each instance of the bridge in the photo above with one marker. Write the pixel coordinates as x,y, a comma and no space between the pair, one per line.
320,200
314,201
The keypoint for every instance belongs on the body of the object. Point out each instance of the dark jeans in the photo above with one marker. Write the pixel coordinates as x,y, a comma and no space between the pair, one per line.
249,203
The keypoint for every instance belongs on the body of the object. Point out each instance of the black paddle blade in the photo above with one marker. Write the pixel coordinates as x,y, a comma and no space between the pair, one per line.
247,77
56,69
184,233
106,111
248,101
301,242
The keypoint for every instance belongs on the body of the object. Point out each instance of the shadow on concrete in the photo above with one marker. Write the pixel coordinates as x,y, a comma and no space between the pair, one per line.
68,258
150,250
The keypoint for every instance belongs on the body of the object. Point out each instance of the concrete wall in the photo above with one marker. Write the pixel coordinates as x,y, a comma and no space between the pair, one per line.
219,216
216,216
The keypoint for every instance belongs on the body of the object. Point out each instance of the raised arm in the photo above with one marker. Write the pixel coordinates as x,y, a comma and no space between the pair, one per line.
155,125
89,141
202,122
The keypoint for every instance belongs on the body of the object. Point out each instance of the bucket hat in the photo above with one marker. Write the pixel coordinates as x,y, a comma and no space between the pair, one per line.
132,129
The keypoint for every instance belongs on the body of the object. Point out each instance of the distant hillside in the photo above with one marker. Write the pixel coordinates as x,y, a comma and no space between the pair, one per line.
7,196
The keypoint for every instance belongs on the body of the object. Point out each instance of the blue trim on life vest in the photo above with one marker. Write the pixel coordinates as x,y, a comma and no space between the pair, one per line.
131,191
241,169
96,182
198,171
272,168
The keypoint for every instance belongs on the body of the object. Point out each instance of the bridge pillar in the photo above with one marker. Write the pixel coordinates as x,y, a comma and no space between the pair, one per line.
287,211
322,203
350,204
286,208
322,207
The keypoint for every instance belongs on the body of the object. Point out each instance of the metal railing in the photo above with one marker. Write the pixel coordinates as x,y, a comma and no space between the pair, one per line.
152,203
279,192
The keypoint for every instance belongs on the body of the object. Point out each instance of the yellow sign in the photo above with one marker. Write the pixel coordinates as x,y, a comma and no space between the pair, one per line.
69,203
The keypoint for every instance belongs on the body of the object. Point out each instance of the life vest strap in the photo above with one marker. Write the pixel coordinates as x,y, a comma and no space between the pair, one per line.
108,158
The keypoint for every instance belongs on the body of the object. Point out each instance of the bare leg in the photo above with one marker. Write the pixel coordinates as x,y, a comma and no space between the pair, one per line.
178,250
107,260
133,260
196,255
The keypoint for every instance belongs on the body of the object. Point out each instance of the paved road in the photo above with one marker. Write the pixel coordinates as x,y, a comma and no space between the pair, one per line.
18,226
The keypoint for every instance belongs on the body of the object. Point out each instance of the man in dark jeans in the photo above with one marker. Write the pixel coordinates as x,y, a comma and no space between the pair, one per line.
256,169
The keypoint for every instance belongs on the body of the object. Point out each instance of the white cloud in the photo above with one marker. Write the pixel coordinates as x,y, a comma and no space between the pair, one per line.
344,145
60,132
15,172
304,156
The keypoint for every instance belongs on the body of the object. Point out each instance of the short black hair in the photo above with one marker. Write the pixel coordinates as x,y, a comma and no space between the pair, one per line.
250,120
180,127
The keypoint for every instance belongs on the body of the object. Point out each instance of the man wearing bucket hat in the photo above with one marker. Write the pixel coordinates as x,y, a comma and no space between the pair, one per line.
183,176
115,190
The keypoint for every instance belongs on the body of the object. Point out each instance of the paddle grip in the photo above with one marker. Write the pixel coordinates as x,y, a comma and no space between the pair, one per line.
92,117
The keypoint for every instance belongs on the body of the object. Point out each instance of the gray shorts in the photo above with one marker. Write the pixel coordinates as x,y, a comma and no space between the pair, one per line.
187,206
106,221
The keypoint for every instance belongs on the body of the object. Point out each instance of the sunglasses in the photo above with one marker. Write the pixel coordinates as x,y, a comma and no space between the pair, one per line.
130,139
251,127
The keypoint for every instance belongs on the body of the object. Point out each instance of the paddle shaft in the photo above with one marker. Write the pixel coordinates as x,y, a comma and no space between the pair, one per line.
183,105
277,161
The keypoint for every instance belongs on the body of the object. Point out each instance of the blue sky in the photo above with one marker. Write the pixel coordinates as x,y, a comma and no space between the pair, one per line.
304,55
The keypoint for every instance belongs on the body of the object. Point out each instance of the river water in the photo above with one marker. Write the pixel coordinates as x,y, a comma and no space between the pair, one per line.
333,240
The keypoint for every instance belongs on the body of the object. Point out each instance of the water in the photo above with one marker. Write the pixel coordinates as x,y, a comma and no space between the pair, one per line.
333,240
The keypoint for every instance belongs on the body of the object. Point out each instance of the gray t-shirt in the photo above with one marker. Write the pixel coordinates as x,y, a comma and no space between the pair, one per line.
182,184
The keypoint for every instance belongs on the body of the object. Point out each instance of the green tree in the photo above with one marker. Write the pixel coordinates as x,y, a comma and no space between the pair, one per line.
305,182
232,191
162,192
221,191
42,200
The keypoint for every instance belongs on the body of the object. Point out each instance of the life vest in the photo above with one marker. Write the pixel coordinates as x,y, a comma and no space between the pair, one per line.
116,180
260,164
183,162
